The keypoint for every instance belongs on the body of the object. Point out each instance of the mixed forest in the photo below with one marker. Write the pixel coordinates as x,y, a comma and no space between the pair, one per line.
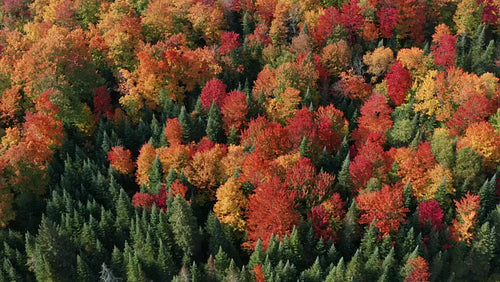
249,140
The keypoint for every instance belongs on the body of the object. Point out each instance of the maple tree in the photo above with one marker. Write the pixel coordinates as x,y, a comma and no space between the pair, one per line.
430,211
379,61
375,118
147,155
398,82
336,57
354,86
384,206
231,204
283,105
173,131
419,270
271,210
121,159
481,137
178,188
332,127
467,209
234,111
213,91
102,102
325,25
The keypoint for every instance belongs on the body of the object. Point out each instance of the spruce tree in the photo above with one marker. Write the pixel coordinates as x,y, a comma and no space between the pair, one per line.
214,125
184,228
186,124
351,232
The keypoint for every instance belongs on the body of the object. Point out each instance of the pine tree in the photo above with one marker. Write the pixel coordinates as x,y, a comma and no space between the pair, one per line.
369,240
221,263
482,253
184,227
355,269
345,177
156,132
186,124
83,272
487,197
257,256
214,125
155,176
351,232
373,268
304,149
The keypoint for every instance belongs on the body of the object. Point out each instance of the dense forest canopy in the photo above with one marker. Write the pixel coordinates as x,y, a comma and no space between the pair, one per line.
249,140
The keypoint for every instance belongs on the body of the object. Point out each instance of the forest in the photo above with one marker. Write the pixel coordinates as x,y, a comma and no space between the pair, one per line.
249,140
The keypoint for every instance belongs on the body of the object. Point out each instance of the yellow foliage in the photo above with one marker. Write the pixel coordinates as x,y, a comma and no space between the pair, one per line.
287,162
411,59
435,177
205,171
283,106
233,160
336,57
481,137
231,204
426,95
176,157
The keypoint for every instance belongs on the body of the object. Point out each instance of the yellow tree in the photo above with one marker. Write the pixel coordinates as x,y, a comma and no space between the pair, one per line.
147,155
283,105
231,204
481,137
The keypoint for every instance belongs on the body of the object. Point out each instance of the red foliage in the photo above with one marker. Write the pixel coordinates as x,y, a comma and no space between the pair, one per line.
142,200
249,135
325,25
419,270
234,111
178,188
256,169
229,40
445,52
430,211
102,102
332,127
271,210
475,109
352,18
214,91
173,131
388,18
385,207
121,160
272,141
327,217
490,12
204,145
300,125
398,82
375,118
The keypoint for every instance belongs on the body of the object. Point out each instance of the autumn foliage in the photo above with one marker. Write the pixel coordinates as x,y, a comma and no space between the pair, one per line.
121,160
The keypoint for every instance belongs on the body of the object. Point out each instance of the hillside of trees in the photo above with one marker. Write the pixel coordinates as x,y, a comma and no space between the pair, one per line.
249,140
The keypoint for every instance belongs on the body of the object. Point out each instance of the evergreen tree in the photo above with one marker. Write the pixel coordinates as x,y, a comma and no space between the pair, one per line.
214,125
487,197
355,269
83,272
184,227
481,254
155,176
345,177
257,256
351,232
186,124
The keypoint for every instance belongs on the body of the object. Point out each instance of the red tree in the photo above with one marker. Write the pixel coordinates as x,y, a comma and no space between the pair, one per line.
475,109
325,25
388,18
234,110
445,52
214,91
229,40
302,125
332,127
419,270
430,211
102,102
398,82
384,206
271,210
375,118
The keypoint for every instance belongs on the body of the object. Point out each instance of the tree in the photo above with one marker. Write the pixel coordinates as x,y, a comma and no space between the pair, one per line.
147,155
430,211
332,127
418,270
481,137
271,210
379,61
354,86
214,91
463,225
336,57
234,111
173,131
214,125
231,204
398,82
184,227
283,105
121,160
384,206
445,52
375,118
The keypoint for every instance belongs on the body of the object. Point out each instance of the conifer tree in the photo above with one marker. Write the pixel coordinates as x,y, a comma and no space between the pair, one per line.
214,125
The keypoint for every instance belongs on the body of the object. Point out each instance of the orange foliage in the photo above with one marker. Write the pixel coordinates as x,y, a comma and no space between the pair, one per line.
173,131
175,156
379,61
332,127
419,270
121,159
271,210
234,111
481,137
336,57
462,228
384,206
178,188
354,86
205,171
375,118
145,160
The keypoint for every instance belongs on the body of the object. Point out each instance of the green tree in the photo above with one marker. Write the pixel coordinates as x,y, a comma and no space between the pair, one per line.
214,125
